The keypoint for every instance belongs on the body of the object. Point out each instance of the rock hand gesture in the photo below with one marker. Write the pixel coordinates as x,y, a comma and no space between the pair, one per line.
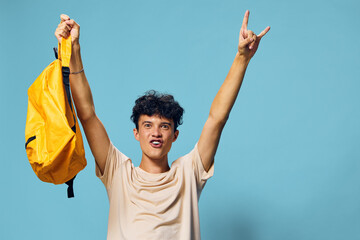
248,40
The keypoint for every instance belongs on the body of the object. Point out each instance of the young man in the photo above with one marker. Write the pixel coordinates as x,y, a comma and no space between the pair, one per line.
154,201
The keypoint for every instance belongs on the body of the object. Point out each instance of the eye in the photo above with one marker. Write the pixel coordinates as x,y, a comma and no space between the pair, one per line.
165,126
147,125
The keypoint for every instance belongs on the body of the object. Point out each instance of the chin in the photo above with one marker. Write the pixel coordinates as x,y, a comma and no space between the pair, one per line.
155,154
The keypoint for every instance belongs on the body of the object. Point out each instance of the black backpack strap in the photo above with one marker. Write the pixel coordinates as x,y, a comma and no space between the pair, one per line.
56,52
66,73
70,189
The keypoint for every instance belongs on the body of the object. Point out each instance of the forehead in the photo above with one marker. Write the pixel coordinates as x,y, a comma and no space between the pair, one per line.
155,119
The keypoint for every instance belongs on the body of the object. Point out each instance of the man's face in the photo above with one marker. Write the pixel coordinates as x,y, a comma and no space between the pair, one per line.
156,135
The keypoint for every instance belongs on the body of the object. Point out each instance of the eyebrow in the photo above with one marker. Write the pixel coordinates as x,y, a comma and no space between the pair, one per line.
167,123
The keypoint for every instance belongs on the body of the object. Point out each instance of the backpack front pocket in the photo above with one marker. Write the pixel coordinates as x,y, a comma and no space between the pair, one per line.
32,146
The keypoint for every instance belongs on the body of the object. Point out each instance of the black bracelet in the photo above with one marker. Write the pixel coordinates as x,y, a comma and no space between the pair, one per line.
78,71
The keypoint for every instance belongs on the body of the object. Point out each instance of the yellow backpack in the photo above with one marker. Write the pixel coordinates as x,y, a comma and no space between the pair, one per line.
54,144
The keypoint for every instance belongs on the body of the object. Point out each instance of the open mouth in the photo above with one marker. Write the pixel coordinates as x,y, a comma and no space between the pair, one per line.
156,143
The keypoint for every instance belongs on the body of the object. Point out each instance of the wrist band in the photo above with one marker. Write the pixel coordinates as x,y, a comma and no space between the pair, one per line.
78,71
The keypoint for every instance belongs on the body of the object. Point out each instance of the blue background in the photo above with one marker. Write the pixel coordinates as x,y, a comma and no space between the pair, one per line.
288,162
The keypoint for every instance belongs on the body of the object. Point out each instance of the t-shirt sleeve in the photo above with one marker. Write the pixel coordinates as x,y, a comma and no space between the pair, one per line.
200,173
114,160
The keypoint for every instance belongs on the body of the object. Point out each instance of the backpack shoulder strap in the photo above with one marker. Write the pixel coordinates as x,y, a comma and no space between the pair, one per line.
64,56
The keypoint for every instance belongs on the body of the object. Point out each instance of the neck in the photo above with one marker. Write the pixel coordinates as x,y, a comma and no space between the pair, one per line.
154,165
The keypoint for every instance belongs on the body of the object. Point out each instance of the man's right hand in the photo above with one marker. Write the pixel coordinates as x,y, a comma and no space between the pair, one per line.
67,27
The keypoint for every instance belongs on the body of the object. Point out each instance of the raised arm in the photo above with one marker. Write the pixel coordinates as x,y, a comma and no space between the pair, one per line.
226,96
94,130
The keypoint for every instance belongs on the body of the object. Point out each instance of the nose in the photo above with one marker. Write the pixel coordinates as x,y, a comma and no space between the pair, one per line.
156,132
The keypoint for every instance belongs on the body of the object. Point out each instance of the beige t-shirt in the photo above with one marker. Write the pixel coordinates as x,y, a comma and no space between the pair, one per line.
150,206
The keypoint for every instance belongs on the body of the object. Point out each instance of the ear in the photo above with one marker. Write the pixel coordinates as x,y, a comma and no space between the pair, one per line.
136,134
176,134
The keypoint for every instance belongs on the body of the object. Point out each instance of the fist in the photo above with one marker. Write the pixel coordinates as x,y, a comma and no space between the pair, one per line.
67,27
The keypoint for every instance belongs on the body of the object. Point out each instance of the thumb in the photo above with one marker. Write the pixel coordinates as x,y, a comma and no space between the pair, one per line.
64,17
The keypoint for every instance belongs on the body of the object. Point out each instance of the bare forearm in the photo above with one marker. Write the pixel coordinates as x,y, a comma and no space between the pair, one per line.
80,88
226,96
95,132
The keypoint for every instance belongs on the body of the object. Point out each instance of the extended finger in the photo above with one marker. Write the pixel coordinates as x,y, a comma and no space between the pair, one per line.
245,20
264,32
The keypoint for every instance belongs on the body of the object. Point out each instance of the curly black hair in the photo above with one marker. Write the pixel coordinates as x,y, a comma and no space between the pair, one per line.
155,103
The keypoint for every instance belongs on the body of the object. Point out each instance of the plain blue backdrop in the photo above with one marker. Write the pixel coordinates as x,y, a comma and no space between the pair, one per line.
288,164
